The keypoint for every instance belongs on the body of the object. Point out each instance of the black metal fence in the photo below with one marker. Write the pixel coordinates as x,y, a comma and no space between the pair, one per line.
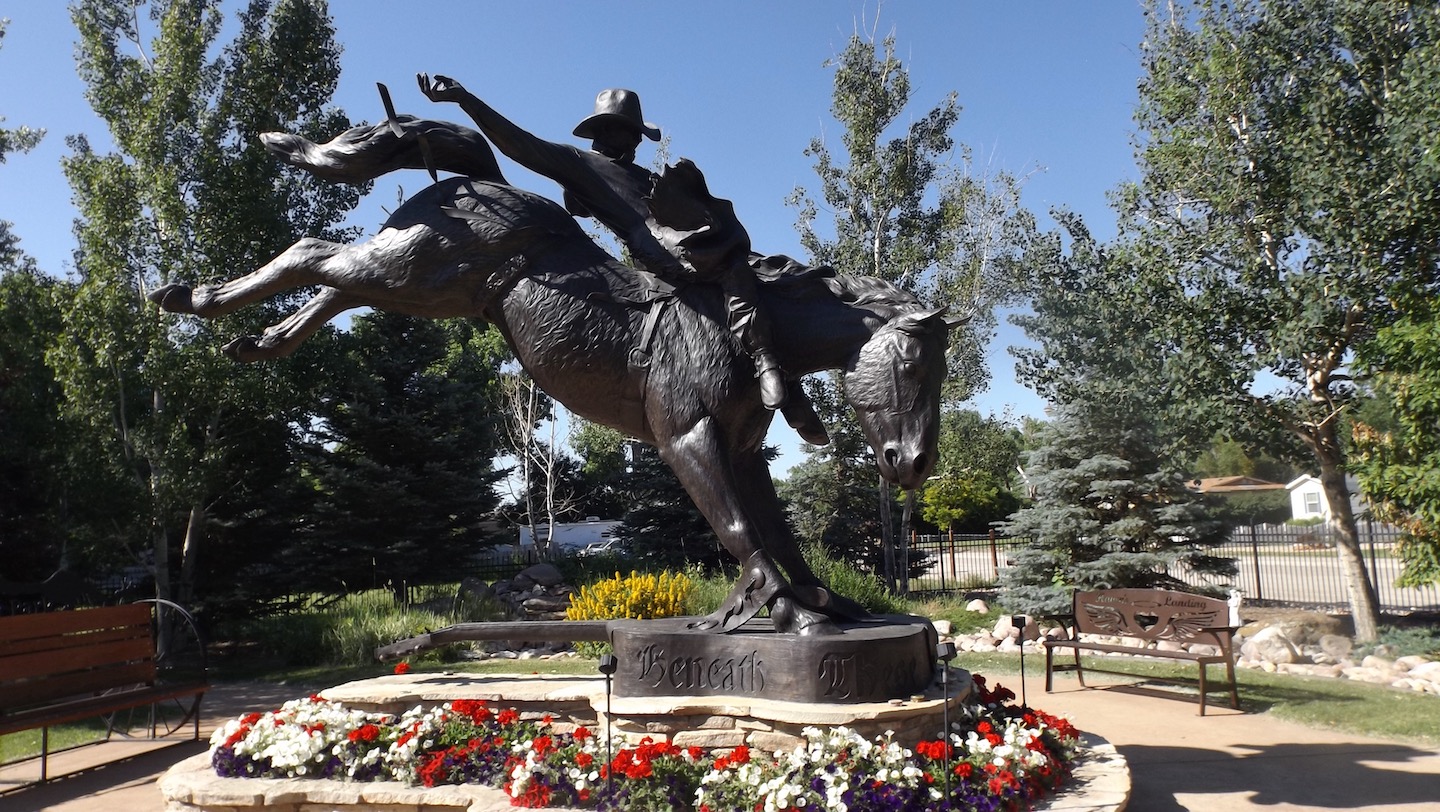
1276,563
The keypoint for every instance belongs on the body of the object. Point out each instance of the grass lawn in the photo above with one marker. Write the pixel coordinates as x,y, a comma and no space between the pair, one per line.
1322,702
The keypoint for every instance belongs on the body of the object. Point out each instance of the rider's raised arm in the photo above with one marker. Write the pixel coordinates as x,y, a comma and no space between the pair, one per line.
559,162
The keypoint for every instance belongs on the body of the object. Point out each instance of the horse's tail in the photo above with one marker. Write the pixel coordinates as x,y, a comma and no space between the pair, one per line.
366,152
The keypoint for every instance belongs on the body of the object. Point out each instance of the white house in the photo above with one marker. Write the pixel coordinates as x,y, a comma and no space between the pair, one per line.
1307,497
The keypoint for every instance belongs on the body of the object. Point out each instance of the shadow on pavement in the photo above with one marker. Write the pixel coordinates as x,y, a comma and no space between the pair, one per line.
1322,776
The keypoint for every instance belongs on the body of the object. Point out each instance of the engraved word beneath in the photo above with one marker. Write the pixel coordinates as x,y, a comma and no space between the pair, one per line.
737,675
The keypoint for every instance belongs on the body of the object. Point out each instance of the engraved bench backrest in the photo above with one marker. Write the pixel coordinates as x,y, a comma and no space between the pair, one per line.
1148,614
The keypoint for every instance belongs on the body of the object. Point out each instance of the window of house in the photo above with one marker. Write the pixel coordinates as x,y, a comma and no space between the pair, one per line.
1312,504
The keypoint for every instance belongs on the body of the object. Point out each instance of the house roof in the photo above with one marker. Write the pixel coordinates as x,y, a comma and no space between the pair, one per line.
1234,484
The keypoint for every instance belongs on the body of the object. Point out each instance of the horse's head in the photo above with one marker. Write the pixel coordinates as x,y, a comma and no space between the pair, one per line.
894,386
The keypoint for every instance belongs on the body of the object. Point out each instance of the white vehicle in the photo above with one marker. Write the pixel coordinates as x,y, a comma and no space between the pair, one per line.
607,546
571,536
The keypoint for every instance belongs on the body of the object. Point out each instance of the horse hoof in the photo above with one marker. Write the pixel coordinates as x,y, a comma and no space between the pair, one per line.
243,349
789,617
830,603
173,298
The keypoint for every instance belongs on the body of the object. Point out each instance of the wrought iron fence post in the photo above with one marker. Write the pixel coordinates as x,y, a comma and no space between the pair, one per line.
994,557
1255,559
1374,570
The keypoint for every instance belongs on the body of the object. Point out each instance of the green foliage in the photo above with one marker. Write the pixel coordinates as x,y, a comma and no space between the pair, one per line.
402,462
1285,203
861,586
949,233
190,195
970,488
663,528
1109,512
833,496
1398,464
346,632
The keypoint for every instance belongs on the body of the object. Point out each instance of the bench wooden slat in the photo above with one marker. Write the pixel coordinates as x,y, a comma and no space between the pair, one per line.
59,642
79,658
77,683
15,628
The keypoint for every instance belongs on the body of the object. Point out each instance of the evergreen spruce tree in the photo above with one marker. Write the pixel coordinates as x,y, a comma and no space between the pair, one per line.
1109,512
663,528
403,471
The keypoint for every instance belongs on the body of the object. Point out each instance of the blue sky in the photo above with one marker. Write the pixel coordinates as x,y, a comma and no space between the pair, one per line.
1047,90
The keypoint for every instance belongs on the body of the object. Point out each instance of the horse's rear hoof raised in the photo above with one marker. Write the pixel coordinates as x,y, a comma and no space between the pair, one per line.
245,349
173,298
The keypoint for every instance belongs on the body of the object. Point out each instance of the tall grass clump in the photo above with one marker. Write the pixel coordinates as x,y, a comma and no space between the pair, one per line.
347,631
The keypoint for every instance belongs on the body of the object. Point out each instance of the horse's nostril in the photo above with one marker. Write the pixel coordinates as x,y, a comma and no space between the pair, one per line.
892,456
921,463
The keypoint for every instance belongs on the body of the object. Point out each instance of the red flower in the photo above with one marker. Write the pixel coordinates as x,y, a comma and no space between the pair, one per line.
509,716
402,667
582,733
964,769
583,760
365,733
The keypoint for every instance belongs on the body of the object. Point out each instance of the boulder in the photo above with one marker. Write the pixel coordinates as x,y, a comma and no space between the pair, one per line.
1336,646
1269,645
977,605
1005,628
545,574
476,589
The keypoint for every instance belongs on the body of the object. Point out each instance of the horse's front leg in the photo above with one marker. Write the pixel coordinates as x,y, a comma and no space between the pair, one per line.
757,492
704,467
279,340
298,265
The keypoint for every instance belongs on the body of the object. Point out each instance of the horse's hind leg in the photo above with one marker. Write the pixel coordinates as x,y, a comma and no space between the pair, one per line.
301,264
279,340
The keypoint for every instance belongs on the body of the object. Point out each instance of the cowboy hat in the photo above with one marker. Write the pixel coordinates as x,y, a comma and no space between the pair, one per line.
620,105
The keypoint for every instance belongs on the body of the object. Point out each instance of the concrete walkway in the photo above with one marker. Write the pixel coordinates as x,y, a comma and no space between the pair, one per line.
1178,761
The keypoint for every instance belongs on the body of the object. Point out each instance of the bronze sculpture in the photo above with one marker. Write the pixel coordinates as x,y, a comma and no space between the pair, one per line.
653,360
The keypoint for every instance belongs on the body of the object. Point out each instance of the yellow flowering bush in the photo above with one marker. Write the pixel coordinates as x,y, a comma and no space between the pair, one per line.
636,596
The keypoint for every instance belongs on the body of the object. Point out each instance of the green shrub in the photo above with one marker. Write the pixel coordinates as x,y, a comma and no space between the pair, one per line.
631,596
347,631
862,587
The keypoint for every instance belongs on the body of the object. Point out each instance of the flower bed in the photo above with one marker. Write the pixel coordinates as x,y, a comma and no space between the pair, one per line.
997,757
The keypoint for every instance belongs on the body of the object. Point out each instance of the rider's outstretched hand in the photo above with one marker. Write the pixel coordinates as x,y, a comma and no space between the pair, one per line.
443,89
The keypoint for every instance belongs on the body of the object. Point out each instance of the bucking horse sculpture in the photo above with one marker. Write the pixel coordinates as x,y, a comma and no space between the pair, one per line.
656,362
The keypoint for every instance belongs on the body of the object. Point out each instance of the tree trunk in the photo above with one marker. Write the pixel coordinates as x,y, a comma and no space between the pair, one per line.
1364,605
190,554
887,536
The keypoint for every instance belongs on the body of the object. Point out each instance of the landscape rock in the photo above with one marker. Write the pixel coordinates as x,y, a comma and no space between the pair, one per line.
1269,645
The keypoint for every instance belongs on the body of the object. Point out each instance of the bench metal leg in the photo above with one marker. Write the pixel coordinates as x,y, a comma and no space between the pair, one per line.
1204,669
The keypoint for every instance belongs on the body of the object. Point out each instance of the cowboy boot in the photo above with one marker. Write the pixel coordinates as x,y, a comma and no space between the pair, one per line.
772,382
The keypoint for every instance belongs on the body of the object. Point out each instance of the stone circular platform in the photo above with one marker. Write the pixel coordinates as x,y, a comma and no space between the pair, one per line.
1101,782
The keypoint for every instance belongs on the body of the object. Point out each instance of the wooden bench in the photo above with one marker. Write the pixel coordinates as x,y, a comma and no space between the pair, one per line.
1150,616
63,667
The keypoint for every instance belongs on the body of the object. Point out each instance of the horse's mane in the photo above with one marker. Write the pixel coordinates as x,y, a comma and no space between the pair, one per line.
870,292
